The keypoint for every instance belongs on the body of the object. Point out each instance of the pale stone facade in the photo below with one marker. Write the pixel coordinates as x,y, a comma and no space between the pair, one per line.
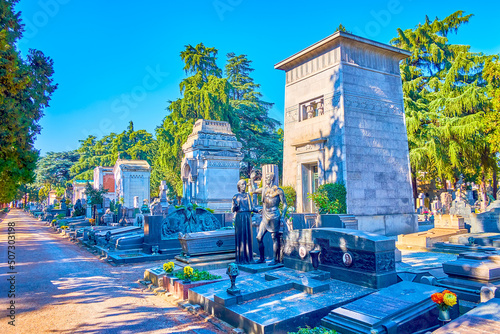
79,191
132,178
344,121
211,165
105,178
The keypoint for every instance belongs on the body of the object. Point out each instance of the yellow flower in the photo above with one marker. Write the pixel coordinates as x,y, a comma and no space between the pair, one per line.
450,299
168,267
188,271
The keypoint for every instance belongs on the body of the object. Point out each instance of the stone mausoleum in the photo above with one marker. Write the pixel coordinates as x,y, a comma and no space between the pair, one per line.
105,178
211,165
132,178
345,122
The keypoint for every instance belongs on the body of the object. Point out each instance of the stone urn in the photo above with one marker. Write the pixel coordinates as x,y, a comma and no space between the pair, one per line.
315,258
233,272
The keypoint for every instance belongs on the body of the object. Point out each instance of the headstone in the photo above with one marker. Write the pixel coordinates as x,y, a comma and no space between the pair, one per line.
353,256
136,202
403,308
470,272
446,200
445,226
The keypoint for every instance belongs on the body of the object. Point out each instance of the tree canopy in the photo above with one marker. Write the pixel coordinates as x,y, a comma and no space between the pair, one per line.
446,102
26,86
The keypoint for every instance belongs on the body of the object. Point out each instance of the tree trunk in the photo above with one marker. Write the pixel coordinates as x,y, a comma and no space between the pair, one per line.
444,184
495,185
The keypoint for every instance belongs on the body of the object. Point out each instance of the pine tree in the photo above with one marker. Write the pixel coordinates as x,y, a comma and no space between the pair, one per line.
256,130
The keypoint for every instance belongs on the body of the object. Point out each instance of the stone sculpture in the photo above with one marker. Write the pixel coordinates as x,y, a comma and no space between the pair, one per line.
156,208
243,208
272,196
188,220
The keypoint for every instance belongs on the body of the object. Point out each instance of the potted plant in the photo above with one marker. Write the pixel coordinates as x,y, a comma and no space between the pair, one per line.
169,268
444,300
188,274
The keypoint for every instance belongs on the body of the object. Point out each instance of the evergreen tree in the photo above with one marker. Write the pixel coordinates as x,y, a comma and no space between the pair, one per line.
205,95
25,89
257,132
445,99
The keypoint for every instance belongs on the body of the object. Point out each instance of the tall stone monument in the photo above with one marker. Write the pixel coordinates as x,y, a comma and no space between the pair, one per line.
345,122
211,165
132,178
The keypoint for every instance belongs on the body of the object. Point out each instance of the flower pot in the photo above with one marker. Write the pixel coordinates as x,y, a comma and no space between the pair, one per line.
444,315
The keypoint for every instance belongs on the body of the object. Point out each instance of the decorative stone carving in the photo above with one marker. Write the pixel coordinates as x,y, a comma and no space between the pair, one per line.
210,166
188,220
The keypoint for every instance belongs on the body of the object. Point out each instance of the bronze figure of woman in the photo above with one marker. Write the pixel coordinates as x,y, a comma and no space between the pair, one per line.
242,207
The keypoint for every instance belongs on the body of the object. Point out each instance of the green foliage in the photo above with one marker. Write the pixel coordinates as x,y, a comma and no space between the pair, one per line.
130,144
197,276
207,95
26,86
54,168
291,196
330,198
259,134
315,330
446,102
342,28
95,195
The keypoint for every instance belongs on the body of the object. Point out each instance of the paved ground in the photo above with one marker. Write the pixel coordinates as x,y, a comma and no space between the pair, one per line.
61,288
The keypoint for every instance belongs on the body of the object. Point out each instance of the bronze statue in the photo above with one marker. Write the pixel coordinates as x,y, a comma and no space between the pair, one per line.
272,196
242,207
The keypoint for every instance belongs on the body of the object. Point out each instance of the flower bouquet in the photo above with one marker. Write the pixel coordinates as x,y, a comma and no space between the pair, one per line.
188,274
444,301
169,268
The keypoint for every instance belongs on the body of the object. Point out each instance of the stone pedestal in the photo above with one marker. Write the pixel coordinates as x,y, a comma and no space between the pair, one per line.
445,226
353,256
152,232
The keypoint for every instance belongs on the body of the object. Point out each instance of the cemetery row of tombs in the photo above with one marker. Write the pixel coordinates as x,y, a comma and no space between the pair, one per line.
344,122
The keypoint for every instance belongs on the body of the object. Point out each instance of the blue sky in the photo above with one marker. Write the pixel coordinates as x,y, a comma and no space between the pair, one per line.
117,61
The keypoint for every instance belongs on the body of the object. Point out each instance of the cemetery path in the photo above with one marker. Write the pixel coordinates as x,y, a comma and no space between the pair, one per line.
61,288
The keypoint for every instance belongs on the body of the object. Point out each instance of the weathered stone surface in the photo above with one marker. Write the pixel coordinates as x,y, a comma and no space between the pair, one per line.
475,266
211,165
484,319
132,179
402,308
210,242
276,306
349,255
344,121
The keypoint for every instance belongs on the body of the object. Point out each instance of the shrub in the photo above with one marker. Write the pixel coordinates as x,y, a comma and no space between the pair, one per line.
315,330
195,275
330,198
291,196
